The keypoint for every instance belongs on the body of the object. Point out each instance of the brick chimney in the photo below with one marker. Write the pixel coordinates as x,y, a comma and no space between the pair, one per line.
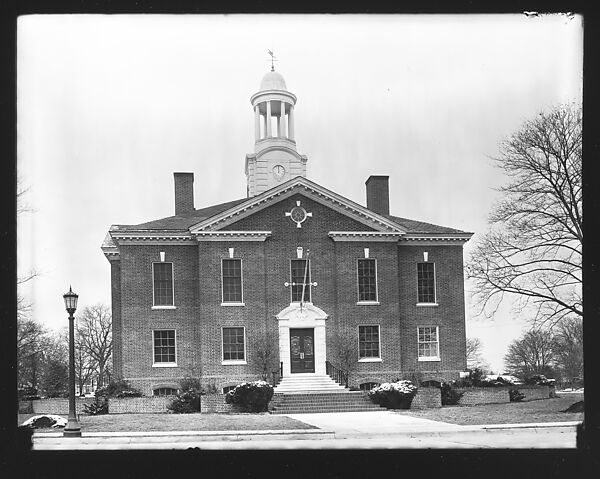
378,194
184,192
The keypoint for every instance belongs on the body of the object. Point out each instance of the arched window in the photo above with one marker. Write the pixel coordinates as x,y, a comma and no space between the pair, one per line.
432,383
368,386
165,392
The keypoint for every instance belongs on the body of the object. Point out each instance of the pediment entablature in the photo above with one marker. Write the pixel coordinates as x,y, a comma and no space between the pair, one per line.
315,192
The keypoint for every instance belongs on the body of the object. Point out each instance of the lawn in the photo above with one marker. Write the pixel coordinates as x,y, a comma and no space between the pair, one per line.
181,422
543,410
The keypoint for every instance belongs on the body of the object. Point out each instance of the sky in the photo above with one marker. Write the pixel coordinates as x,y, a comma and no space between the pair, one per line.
109,106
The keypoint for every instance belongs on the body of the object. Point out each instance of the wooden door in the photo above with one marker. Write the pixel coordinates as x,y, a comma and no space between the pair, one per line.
302,351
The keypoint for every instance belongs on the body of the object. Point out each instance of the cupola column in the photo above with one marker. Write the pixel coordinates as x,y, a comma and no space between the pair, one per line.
268,119
291,123
256,123
282,121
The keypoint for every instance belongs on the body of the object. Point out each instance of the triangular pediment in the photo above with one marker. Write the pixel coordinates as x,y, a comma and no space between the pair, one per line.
315,192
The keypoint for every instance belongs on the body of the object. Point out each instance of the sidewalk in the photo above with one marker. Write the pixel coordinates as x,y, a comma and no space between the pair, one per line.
351,430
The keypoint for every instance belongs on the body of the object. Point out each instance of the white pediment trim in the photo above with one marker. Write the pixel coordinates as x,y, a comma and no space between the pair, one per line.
231,235
308,312
296,185
365,236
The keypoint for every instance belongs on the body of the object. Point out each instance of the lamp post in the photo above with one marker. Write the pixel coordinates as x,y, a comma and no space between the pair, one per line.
72,428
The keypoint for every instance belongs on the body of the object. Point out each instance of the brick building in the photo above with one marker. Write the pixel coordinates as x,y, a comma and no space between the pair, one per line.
292,278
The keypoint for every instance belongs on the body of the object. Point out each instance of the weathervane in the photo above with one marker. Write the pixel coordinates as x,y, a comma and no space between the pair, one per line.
273,59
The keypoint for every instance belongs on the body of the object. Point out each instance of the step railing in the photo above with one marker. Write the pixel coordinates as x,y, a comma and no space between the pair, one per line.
336,374
277,375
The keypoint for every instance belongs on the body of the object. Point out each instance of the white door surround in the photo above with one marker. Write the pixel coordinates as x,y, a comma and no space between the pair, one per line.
309,316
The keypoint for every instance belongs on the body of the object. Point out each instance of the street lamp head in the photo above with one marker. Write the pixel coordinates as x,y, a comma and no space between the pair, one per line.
70,301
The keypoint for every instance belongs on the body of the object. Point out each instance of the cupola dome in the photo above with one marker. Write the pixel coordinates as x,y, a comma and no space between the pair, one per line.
273,81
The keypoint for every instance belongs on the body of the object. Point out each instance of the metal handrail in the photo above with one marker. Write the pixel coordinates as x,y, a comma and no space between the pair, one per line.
336,374
277,375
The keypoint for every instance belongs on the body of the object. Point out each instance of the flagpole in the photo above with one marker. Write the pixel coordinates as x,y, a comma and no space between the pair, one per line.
304,282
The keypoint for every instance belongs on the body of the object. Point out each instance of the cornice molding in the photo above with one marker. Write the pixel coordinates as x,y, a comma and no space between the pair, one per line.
111,253
437,239
365,236
151,237
232,235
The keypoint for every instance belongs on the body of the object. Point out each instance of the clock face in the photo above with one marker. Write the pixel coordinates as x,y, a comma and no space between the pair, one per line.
298,214
279,171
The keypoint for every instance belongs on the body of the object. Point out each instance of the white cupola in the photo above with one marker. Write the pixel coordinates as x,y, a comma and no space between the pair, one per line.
275,158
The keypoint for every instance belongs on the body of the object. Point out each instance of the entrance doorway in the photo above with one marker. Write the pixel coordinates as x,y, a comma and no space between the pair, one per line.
302,351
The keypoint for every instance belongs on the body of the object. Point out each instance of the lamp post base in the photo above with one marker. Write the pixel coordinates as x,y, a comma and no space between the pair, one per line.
72,429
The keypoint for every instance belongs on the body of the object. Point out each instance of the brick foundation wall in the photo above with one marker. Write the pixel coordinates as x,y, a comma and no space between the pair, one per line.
53,405
474,396
156,404
427,398
215,403
533,393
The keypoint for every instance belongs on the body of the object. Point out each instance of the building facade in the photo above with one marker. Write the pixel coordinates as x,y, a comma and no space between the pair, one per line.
293,278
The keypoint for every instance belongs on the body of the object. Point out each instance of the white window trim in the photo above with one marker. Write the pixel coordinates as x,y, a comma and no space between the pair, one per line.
435,303
376,283
233,361
429,358
164,364
164,306
232,303
369,359
310,281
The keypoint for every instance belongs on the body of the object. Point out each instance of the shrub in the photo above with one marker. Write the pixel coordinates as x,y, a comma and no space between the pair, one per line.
450,396
99,406
539,380
118,388
187,399
251,396
397,395
515,395
28,393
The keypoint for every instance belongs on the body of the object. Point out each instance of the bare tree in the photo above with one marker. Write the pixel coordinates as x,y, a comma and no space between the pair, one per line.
474,354
85,365
346,355
30,341
55,367
568,348
531,354
94,329
532,251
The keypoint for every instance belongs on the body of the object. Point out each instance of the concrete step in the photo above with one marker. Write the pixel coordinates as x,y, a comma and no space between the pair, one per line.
310,385
350,401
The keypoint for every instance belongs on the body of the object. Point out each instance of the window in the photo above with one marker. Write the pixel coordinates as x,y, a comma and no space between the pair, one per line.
300,269
233,344
429,344
368,342
165,392
368,386
426,282
232,280
162,274
226,389
164,346
367,280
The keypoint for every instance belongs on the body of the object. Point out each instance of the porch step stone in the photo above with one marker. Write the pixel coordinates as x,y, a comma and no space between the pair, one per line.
350,401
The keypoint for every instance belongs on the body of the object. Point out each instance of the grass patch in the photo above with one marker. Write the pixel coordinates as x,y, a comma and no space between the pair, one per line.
181,422
543,410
